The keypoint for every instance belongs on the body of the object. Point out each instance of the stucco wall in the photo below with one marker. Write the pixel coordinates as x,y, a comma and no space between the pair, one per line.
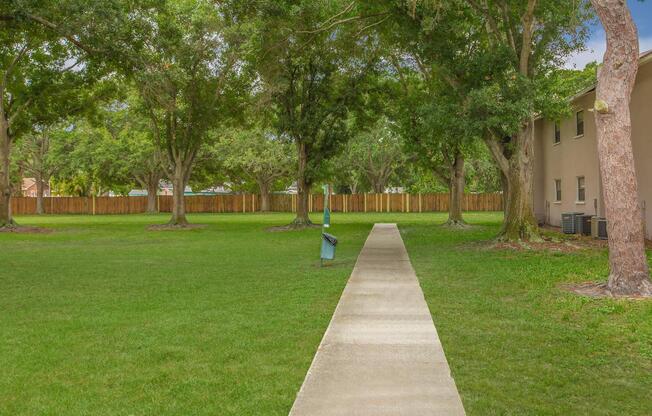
641,108
573,157
539,173
577,156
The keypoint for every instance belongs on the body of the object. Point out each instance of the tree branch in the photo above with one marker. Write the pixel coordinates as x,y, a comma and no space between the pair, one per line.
57,29
497,151
342,21
528,32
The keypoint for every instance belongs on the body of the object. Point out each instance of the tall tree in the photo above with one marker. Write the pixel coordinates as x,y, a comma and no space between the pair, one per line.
36,160
40,72
258,154
130,135
499,55
533,37
377,153
434,121
90,159
185,58
312,73
629,267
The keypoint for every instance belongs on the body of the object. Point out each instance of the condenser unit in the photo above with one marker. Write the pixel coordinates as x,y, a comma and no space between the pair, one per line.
599,228
584,224
569,222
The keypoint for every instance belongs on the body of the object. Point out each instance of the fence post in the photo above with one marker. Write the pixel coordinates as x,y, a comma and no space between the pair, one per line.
365,202
244,203
93,204
420,202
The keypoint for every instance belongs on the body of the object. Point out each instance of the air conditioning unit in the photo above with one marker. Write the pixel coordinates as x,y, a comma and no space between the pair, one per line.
599,228
569,222
584,224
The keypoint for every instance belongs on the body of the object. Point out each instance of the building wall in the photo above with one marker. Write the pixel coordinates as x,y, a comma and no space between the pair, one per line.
572,157
539,172
577,156
641,108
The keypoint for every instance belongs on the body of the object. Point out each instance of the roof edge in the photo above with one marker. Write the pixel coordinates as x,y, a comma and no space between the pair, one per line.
643,59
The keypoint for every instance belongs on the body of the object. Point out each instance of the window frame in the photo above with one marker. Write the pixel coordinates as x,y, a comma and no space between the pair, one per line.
558,190
557,133
581,188
579,124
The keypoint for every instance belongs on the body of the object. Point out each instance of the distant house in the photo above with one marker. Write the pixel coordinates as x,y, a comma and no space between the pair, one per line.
291,190
567,176
29,188
216,190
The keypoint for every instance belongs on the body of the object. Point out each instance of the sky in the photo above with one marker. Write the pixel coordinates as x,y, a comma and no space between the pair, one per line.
642,13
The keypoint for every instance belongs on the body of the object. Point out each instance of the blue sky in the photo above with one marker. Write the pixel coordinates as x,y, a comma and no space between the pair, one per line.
642,13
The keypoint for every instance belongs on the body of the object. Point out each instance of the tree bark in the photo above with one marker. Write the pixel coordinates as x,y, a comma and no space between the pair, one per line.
264,196
520,222
378,186
616,78
40,188
303,187
6,219
504,185
152,195
180,179
457,183
354,187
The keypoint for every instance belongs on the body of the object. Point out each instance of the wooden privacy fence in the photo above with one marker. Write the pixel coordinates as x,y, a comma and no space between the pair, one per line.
251,203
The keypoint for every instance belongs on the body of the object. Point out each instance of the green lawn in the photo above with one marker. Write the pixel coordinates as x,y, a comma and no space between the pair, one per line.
105,318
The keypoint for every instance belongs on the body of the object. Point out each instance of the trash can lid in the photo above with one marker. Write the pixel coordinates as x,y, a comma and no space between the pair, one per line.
330,238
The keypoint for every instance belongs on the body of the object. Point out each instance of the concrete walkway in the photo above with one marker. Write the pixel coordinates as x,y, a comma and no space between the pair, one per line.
380,354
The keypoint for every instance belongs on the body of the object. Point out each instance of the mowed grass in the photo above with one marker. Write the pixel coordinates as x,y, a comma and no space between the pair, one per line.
105,318
517,344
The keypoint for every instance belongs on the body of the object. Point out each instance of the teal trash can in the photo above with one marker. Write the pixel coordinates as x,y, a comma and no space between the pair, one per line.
328,243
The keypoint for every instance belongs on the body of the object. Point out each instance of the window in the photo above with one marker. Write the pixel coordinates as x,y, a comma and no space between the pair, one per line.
557,190
557,133
581,189
579,118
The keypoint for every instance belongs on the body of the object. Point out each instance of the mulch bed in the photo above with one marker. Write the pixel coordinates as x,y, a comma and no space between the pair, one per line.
596,290
18,229
551,241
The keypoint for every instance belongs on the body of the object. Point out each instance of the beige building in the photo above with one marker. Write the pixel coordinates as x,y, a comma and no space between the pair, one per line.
567,177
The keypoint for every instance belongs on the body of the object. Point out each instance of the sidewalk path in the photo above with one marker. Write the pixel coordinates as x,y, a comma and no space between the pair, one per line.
380,354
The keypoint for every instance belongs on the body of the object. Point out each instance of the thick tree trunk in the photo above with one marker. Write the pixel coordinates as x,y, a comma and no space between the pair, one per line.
520,222
265,204
179,181
354,188
456,192
152,195
5,179
629,268
40,189
303,187
378,186
504,185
